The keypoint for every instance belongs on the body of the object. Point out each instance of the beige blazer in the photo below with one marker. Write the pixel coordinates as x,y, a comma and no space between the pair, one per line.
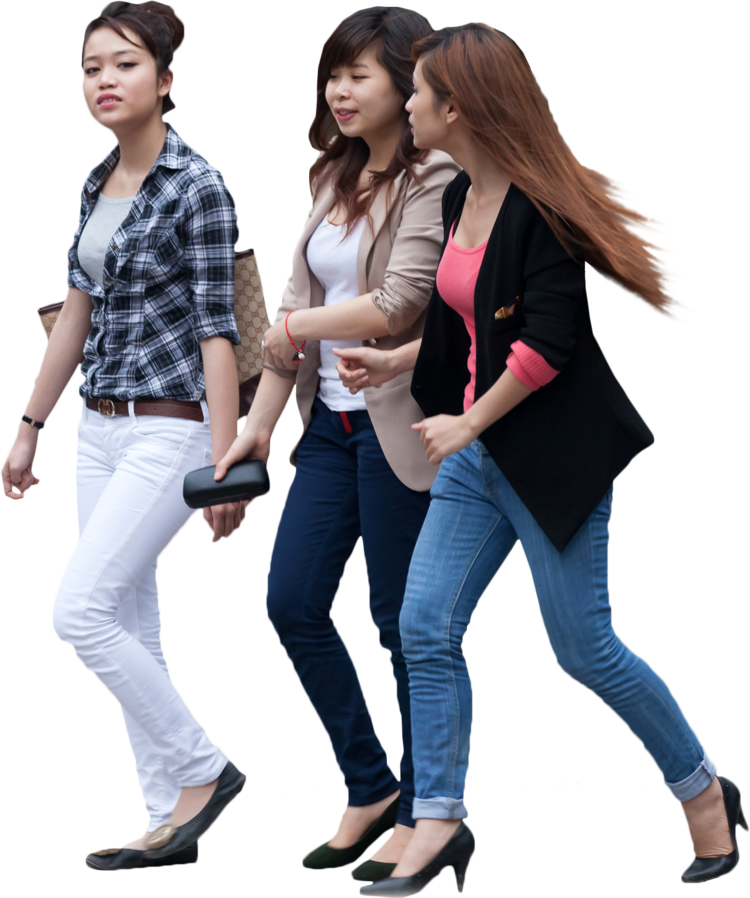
396,261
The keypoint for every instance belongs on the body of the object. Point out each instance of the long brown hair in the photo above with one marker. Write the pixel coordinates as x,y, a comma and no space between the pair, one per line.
488,78
390,31
155,24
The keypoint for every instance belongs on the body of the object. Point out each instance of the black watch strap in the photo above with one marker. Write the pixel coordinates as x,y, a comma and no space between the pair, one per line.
38,424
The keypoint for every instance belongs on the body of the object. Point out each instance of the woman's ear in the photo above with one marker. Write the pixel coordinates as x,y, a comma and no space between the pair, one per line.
450,111
165,83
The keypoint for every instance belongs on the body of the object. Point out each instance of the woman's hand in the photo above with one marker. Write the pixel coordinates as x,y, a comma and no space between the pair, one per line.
362,367
17,468
443,435
279,351
225,519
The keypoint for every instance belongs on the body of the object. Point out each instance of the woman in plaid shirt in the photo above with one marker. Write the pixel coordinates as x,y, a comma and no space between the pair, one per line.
150,307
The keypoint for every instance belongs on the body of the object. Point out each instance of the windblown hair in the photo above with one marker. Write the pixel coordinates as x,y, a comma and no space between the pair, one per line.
390,31
155,24
488,78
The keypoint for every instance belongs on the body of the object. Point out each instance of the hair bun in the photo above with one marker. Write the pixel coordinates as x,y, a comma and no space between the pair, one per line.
165,13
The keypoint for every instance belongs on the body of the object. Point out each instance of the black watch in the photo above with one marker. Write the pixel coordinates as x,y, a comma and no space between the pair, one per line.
38,424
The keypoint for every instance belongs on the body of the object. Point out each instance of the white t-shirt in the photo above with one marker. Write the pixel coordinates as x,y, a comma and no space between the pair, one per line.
333,261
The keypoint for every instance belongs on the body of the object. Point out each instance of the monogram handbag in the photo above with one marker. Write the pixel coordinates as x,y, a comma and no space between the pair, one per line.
252,321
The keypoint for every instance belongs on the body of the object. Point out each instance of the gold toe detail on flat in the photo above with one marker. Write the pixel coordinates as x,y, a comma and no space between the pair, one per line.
160,836
105,851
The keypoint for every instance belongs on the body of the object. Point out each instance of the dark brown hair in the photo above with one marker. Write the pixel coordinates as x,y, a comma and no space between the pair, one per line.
155,24
390,31
488,78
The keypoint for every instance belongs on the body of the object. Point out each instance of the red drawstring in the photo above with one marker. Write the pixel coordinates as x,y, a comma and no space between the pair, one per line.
345,420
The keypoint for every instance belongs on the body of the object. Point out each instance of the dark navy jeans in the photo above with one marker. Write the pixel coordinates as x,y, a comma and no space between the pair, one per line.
343,489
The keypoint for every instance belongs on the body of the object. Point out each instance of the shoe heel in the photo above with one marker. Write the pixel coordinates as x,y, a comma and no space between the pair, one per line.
741,819
461,864
460,870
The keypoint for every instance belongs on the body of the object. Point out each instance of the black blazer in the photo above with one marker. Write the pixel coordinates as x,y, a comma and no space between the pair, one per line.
562,447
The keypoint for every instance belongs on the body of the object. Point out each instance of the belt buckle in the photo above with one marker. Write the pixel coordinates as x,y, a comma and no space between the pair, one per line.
106,407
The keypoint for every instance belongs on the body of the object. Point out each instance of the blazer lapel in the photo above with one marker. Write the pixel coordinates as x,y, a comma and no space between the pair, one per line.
379,215
321,208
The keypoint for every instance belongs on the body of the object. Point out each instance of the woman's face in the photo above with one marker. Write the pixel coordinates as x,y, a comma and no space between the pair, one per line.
429,124
120,82
363,98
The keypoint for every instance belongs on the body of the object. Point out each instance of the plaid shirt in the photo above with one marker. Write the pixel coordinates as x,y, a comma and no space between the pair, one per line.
168,280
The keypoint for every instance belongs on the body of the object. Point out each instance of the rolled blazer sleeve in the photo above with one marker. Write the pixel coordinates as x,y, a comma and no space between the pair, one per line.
553,292
410,275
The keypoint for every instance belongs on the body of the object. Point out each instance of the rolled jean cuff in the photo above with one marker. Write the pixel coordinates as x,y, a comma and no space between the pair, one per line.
693,785
439,808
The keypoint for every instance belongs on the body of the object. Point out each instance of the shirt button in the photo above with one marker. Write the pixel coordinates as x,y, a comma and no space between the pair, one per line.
114,246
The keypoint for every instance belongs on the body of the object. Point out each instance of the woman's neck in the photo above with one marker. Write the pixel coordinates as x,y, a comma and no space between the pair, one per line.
383,146
488,180
140,147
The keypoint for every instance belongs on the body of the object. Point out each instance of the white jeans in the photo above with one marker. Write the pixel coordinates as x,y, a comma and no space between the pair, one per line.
130,473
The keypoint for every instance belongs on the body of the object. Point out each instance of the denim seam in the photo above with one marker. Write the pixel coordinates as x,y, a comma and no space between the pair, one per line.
451,608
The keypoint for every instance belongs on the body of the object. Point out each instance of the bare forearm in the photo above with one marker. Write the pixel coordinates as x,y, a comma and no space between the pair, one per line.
63,354
404,358
354,319
222,393
269,402
506,393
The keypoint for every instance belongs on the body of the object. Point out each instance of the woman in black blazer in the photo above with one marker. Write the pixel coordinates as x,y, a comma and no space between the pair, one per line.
531,427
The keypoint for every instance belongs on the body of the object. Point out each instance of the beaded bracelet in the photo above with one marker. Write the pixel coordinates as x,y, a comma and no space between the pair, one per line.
299,355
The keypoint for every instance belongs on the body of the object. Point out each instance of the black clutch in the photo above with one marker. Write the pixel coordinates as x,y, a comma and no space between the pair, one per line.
245,480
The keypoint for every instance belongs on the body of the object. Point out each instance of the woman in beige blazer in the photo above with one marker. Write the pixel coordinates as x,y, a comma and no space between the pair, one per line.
363,272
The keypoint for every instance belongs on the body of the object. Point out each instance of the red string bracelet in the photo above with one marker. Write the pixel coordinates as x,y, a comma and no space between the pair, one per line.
299,355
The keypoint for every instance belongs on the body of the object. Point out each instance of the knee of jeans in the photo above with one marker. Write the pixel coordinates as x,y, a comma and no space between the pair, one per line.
420,635
68,617
287,609
575,666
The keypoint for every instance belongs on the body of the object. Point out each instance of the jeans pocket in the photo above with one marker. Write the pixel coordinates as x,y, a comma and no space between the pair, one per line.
167,433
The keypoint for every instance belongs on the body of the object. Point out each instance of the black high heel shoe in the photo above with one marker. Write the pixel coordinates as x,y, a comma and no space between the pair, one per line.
323,857
704,868
455,853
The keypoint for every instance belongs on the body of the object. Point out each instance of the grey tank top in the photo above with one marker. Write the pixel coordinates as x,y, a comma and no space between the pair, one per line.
106,217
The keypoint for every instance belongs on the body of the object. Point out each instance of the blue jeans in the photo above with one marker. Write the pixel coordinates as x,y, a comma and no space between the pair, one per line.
474,520
343,489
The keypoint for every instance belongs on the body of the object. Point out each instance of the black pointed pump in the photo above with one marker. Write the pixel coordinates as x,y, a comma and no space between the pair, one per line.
704,868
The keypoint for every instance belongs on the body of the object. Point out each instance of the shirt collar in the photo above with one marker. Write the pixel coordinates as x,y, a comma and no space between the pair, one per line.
175,154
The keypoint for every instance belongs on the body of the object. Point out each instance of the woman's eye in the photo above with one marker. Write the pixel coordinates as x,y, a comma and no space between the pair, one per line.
128,65
94,68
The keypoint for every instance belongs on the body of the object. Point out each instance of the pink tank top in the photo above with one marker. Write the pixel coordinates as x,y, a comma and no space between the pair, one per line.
456,281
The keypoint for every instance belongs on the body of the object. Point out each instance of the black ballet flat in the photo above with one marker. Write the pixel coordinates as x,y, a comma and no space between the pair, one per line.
455,853
131,859
168,839
704,868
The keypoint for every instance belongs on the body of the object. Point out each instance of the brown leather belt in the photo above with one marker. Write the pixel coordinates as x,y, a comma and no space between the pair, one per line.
167,408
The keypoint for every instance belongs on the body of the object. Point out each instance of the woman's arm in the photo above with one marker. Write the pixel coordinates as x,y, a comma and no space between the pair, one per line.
353,319
222,392
63,354
362,367
443,435
505,394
